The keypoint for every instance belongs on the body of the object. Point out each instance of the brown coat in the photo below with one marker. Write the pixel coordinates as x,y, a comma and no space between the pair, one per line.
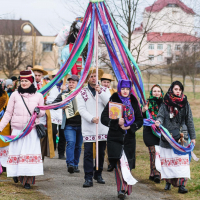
6,131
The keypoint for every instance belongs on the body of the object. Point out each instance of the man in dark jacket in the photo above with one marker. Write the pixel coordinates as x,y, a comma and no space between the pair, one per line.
72,127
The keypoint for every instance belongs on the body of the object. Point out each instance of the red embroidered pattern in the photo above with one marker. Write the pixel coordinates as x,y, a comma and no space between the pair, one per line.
84,94
24,159
93,138
174,162
102,89
3,153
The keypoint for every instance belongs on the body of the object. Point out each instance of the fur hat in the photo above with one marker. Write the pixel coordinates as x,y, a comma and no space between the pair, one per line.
9,82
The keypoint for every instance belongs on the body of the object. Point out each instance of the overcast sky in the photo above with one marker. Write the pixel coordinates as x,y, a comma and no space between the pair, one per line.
49,16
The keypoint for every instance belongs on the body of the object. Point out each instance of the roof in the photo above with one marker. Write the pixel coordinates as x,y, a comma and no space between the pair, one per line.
140,28
160,4
171,37
13,27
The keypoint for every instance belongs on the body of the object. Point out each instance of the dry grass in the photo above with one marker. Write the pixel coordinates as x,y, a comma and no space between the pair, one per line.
143,167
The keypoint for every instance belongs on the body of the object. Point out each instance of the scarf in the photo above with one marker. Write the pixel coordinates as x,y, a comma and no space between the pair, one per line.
128,112
174,102
154,102
30,90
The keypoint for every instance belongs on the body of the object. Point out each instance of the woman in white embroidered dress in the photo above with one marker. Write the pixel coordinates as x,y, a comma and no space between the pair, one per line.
24,157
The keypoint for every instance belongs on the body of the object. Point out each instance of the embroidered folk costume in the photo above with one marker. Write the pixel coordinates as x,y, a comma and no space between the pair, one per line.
149,138
119,140
6,131
47,144
24,157
173,114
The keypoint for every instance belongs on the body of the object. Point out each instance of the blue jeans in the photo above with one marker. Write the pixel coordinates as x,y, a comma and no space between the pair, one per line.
74,141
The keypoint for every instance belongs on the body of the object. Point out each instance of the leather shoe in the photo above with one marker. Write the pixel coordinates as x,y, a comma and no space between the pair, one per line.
151,178
182,189
167,186
15,179
76,170
88,183
61,157
99,179
71,169
156,179
27,186
121,195
110,168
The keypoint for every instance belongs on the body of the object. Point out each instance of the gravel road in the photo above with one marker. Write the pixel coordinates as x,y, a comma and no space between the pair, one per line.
57,183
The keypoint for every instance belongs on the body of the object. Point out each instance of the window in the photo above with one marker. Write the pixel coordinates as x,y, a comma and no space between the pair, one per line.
151,57
160,57
177,47
177,57
47,47
9,45
194,48
186,47
172,5
22,46
151,46
159,46
169,50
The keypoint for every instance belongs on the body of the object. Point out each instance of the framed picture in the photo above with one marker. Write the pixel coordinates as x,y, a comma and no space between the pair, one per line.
115,110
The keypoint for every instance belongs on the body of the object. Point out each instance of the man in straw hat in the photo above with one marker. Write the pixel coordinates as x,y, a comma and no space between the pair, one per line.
106,80
56,117
87,110
47,146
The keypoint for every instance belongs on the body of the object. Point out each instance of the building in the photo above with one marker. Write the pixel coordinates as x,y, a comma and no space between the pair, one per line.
169,25
14,41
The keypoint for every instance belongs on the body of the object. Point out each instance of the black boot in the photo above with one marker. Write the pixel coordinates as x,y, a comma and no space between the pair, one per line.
182,189
76,170
99,179
4,169
156,179
121,195
88,183
27,186
15,179
71,169
151,178
110,168
168,186
61,157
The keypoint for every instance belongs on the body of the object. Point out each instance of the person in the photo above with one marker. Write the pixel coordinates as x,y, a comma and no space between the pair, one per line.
9,85
173,114
24,157
6,131
72,128
29,67
121,134
86,108
47,144
150,139
106,80
56,118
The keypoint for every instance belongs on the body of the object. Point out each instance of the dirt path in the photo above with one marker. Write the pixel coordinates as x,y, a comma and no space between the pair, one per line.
57,183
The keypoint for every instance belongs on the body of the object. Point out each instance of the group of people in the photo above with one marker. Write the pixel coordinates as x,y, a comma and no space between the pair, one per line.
23,159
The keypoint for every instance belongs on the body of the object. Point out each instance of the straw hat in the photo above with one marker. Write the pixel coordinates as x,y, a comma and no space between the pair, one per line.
39,68
93,70
54,72
107,77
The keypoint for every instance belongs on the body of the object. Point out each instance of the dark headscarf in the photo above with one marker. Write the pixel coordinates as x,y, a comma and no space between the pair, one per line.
128,112
154,102
174,102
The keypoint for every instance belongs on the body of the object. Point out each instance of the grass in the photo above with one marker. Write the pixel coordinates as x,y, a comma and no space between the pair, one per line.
142,170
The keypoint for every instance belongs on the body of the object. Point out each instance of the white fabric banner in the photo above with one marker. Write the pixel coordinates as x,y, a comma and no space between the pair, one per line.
126,173
4,155
157,158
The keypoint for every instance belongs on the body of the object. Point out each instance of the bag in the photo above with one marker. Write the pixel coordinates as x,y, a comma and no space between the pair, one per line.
39,127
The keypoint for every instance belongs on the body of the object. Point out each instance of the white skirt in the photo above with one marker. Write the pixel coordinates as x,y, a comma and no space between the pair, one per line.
4,156
173,165
24,157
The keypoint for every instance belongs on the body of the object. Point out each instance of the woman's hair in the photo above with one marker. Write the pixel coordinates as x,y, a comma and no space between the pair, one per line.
177,83
1,90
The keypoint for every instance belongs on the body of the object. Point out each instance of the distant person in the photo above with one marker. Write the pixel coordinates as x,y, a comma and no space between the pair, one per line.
9,86
29,67
173,114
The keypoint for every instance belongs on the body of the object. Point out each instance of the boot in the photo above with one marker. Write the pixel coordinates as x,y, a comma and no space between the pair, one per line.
182,189
156,179
168,186
27,186
15,179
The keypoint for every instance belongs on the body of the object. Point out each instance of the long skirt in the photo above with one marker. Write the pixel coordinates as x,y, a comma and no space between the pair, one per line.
24,157
152,155
4,156
175,169
121,183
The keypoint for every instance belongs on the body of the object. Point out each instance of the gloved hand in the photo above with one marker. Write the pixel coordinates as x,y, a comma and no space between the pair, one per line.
37,110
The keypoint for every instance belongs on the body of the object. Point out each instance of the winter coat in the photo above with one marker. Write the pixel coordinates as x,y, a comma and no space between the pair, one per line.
87,110
16,111
184,117
117,139
3,104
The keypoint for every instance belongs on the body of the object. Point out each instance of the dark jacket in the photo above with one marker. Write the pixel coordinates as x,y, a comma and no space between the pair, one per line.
149,138
184,117
74,121
117,140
